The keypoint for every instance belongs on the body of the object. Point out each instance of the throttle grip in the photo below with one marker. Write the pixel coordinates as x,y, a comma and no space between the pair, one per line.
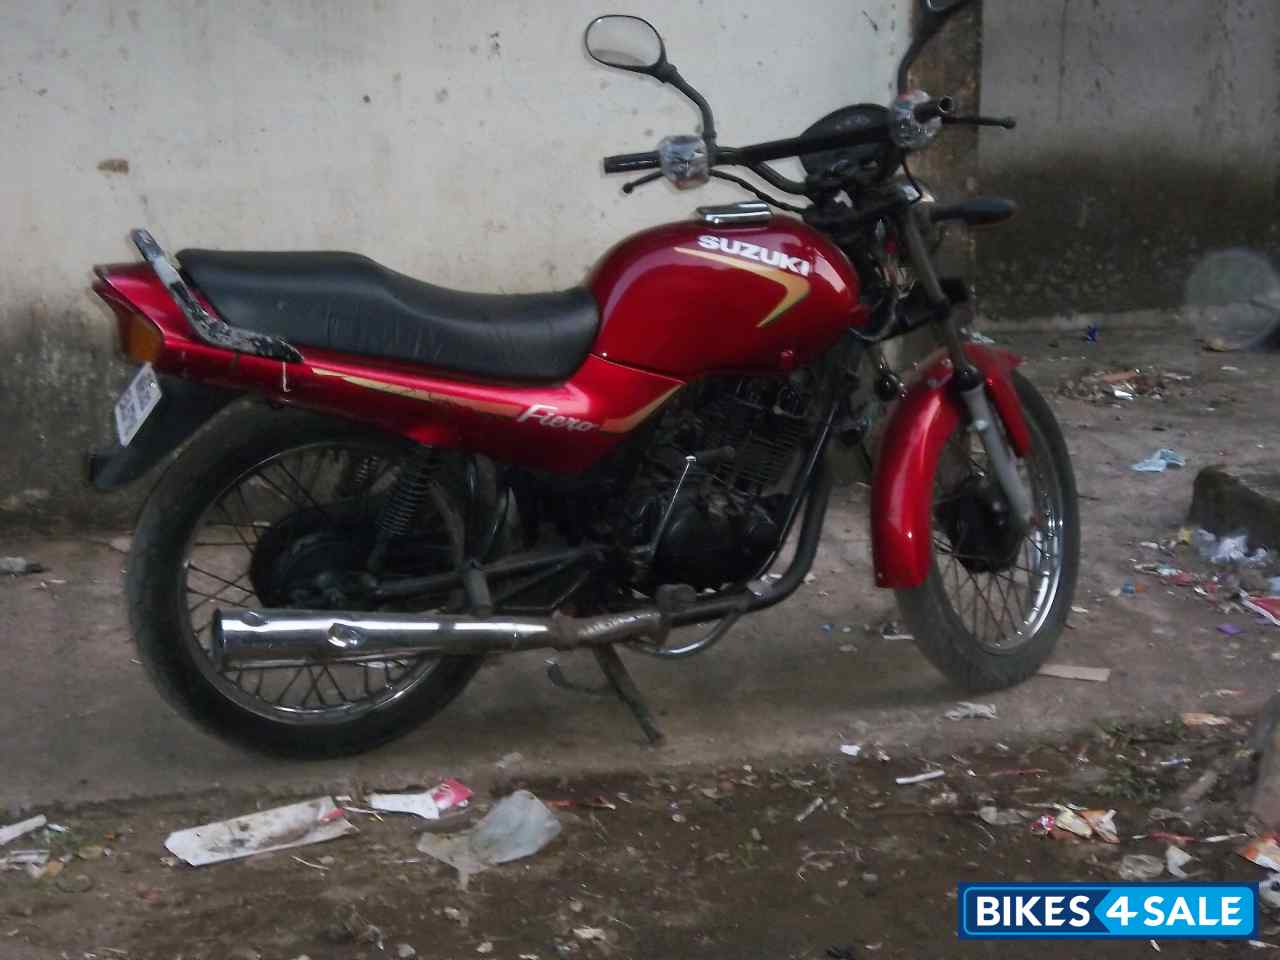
933,109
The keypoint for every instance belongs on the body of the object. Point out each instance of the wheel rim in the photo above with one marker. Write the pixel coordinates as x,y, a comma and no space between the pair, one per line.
1005,607
343,483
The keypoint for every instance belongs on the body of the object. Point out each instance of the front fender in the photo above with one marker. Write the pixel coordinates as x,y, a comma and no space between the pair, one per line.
902,483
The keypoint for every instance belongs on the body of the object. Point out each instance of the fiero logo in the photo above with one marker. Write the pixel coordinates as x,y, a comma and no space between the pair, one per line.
752,251
546,416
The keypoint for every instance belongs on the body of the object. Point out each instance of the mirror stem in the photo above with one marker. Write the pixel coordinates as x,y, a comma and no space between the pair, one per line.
667,73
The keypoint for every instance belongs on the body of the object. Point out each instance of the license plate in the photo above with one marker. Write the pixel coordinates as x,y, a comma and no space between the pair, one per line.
136,404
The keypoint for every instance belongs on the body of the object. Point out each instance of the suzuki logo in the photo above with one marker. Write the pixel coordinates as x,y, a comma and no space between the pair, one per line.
752,251
547,417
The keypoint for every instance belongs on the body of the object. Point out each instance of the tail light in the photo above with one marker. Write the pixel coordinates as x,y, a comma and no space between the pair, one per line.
140,339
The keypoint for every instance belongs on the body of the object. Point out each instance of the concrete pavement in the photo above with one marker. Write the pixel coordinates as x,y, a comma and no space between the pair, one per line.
79,721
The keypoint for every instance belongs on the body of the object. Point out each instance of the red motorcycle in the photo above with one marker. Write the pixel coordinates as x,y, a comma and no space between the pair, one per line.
382,481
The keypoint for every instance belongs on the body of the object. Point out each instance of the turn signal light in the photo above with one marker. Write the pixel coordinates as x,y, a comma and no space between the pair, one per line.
140,339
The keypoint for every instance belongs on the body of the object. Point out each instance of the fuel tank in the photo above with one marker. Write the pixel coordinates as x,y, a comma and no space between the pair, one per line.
691,298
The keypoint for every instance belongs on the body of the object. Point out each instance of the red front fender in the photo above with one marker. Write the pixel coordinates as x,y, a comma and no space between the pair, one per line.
902,484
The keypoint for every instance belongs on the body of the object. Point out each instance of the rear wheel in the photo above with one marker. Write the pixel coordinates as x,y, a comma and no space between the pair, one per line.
996,601
280,509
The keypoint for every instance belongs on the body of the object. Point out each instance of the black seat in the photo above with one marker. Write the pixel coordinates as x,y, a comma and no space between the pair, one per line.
348,303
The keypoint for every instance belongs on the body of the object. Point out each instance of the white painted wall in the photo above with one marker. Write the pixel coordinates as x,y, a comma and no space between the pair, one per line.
475,161
457,141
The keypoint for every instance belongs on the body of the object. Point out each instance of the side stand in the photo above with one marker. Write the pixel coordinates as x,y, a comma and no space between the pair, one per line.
615,672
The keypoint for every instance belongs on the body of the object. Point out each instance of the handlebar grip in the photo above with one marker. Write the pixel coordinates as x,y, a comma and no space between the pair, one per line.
933,109
626,162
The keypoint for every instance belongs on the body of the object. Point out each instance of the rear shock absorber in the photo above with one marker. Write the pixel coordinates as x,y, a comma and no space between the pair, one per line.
401,509
358,476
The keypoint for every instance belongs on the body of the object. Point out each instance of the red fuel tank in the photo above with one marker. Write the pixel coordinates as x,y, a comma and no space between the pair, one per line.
691,298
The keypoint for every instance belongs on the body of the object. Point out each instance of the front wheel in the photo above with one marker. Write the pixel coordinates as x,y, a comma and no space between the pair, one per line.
995,602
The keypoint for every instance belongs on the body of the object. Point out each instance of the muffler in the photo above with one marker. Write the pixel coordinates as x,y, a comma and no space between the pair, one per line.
258,638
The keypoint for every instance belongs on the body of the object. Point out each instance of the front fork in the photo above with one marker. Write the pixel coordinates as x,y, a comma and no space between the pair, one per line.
968,380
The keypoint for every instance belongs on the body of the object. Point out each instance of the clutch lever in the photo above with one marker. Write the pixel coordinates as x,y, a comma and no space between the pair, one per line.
647,178
1007,123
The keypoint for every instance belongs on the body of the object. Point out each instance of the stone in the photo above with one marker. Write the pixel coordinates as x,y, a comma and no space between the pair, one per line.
1239,497
405,951
1264,804
77,883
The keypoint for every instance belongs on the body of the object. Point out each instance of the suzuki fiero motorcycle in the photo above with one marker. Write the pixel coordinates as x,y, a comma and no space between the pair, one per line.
382,482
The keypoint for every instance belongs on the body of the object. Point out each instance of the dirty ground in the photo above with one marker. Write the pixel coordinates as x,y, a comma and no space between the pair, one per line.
89,743
743,861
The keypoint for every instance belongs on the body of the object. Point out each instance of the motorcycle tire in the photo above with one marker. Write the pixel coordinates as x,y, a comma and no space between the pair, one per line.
229,448
950,626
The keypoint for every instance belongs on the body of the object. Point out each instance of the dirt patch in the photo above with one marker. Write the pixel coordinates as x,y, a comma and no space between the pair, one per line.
748,861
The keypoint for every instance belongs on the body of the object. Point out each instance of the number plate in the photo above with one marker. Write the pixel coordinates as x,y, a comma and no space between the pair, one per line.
136,404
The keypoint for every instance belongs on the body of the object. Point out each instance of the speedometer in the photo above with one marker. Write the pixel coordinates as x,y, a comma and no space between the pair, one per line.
869,163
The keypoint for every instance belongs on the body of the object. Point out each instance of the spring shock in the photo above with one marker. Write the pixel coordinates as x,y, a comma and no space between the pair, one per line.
358,476
401,509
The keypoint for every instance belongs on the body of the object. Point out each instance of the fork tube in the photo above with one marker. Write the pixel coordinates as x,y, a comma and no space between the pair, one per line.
968,379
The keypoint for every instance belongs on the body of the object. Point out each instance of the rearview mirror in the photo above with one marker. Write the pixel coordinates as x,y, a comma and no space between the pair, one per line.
627,43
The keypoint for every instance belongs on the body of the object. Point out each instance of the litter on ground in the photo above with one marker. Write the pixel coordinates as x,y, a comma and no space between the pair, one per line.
813,805
1266,607
1175,860
1103,823
15,830
996,817
518,826
1068,672
1160,461
1140,866
1263,850
283,828
972,711
1230,549
1204,720
1070,821
920,777
429,804
19,566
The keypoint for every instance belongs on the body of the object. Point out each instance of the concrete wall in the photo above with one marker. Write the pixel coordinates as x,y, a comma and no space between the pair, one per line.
458,141
1148,134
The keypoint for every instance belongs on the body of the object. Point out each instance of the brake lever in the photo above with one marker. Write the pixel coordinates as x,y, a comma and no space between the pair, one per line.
647,178
1007,123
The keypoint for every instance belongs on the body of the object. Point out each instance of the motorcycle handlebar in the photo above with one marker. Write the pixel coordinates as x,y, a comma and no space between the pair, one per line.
759,152
626,162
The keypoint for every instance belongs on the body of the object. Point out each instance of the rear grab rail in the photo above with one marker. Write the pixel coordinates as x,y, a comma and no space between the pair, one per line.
207,327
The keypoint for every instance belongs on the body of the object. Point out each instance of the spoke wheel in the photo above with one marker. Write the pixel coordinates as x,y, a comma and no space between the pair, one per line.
1000,585
996,600
270,508
297,530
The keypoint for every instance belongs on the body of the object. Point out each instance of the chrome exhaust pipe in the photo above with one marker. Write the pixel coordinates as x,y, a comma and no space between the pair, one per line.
256,638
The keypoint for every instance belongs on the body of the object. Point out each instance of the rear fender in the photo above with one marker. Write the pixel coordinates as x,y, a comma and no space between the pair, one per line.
902,483
184,408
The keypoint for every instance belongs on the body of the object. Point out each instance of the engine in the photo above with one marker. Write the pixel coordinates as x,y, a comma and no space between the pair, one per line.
748,438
